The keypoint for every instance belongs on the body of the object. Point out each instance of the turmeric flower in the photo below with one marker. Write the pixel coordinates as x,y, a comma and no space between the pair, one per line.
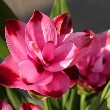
39,52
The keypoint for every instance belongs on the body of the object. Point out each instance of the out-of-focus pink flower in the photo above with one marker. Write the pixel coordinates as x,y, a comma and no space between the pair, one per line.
5,106
29,106
40,51
94,67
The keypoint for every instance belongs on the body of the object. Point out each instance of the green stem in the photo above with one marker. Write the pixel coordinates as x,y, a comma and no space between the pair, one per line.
46,104
15,97
82,102
72,99
65,98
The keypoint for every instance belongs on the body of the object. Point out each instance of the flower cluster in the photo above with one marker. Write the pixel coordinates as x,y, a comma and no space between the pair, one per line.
44,52
94,67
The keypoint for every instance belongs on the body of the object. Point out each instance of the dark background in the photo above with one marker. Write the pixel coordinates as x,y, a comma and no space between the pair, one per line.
93,14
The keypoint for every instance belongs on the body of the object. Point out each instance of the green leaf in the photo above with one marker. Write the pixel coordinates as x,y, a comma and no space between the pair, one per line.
102,102
106,91
71,99
5,13
52,104
83,102
16,97
59,7
36,95
2,93
47,104
56,104
94,104
3,49
65,98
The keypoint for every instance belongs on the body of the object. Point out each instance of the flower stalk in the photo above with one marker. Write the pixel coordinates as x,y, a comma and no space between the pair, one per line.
82,102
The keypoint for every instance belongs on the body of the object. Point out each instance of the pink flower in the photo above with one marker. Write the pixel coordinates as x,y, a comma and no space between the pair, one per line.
5,106
95,66
29,106
24,106
39,52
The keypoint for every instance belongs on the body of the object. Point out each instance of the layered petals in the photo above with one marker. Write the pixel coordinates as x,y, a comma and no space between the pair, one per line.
74,47
57,87
43,26
8,70
9,76
40,53
61,61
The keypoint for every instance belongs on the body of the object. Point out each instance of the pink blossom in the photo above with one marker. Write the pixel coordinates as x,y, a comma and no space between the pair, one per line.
94,67
5,106
39,52
29,106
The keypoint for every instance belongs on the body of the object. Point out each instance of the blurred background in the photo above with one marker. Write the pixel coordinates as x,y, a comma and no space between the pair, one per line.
86,14
93,14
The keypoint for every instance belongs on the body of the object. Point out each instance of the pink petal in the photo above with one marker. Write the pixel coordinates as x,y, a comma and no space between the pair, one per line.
72,38
48,51
79,55
98,66
57,86
95,46
35,52
93,77
5,106
41,29
15,33
29,106
9,75
64,55
30,50
106,63
28,71
44,78
33,73
80,39
102,81
104,38
63,24
59,66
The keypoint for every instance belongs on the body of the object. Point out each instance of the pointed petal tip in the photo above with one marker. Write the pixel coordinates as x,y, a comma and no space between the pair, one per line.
12,27
90,32
36,16
63,24
7,76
